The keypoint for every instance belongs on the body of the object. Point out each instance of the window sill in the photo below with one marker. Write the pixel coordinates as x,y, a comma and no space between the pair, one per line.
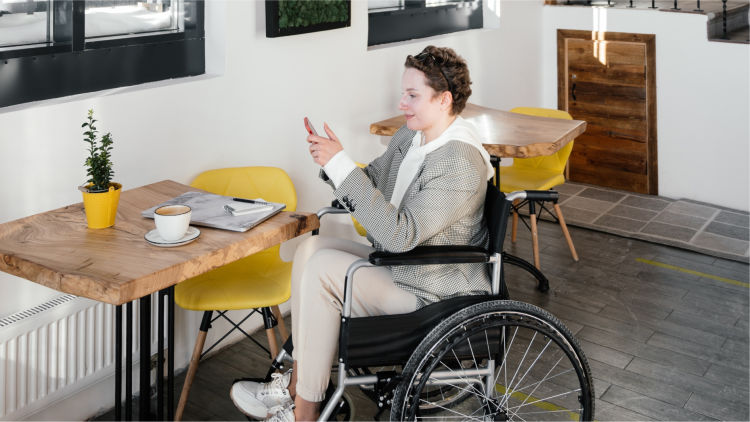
108,92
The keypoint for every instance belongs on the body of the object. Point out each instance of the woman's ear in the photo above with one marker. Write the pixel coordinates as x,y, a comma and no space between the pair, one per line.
446,99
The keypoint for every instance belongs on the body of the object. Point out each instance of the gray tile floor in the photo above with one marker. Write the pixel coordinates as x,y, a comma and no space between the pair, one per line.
704,228
665,330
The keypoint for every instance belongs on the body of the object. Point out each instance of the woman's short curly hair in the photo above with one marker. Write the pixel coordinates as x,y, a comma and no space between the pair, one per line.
445,71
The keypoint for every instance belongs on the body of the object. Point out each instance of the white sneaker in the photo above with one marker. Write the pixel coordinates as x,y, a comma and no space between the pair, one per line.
246,401
282,414
254,399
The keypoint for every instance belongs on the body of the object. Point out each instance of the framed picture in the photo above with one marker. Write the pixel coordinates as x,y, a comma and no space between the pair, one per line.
292,17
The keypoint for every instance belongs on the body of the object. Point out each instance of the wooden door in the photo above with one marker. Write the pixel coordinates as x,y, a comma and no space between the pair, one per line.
608,79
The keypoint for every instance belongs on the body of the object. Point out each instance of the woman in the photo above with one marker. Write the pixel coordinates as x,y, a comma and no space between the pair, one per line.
428,188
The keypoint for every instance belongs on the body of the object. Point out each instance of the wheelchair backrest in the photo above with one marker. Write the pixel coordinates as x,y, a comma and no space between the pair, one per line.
496,211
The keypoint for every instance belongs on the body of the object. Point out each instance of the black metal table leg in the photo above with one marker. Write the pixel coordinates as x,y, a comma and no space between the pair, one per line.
144,405
170,354
118,362
129,361
160,361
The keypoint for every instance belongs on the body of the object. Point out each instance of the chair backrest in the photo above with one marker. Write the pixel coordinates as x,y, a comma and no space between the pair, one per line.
556,161
496,211
269,183
358,227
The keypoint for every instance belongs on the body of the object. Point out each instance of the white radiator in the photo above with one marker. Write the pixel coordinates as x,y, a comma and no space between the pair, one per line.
57,348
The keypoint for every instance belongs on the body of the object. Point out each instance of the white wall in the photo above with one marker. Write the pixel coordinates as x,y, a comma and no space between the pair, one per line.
250,112
249,115
703,98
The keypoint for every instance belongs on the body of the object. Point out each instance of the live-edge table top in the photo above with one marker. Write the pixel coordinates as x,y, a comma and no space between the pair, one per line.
506,134
116,265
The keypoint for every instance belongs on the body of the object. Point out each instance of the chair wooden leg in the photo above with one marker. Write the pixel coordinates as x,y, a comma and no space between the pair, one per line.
273,346
194,360
534,239
564,228
514,226
282,324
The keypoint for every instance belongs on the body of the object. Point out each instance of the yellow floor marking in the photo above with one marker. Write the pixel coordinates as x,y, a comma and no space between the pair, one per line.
685,270
537,402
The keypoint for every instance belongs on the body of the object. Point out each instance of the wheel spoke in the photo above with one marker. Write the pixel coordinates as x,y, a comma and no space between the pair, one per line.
503,366
454,412
472,390
538,383
520,364
550,378
546,399
532,365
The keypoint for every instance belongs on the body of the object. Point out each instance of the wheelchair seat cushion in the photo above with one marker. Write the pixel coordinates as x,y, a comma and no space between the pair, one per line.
391,339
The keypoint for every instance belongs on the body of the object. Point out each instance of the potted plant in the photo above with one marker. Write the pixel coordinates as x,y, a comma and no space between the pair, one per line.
100,194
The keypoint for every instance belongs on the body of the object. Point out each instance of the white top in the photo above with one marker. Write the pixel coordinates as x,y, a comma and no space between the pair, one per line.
340,165
459,130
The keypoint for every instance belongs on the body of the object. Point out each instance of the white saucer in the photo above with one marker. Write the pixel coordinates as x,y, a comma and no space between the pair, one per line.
153,238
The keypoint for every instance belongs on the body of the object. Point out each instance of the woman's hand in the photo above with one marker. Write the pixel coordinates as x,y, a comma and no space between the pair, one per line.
323,149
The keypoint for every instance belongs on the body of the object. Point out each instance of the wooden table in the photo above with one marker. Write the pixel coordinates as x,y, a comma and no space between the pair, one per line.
507,134
117,266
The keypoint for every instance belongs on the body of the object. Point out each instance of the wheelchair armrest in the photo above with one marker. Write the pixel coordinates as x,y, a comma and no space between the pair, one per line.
533,195
429,255
335,208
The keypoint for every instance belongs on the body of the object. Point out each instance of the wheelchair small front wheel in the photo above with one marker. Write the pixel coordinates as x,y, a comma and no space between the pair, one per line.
514,360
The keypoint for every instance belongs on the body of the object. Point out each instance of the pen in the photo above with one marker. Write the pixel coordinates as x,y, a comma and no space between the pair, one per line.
251,201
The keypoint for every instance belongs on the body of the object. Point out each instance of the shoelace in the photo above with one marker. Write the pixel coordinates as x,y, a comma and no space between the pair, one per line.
281,414
276,387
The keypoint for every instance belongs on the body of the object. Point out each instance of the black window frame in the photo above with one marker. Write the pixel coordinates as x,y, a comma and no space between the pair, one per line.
417,20
70,64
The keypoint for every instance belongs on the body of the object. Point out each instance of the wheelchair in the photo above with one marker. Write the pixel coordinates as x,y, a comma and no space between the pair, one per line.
480,357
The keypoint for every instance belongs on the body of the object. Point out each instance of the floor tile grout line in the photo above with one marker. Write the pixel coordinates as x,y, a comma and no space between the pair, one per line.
703,228
614,204
729,224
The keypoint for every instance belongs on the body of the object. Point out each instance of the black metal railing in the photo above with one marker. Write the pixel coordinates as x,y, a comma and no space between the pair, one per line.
675,7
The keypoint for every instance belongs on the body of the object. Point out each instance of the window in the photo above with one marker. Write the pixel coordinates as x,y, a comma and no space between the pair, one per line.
55,48
399,20
108,18
24,22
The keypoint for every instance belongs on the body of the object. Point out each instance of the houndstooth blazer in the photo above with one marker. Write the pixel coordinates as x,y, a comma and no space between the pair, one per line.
443,205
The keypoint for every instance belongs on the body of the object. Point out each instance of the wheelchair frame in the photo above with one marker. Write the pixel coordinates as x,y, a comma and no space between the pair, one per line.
427,255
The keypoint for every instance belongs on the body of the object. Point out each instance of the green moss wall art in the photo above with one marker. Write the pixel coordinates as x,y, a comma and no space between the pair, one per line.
291,17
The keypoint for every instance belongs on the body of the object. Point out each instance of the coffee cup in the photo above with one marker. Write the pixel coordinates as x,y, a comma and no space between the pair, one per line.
172,221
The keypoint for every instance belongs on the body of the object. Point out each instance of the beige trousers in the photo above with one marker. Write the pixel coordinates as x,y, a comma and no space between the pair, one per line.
318,273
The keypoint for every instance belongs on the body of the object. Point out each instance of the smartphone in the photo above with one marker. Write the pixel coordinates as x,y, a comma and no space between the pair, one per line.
310,129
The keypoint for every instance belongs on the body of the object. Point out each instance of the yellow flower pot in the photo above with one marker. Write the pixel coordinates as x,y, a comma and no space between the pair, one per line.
101,207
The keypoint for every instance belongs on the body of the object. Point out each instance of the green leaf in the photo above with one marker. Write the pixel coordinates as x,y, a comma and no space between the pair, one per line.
98,163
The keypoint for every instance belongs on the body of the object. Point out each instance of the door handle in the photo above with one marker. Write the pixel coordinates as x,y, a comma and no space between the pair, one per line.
573,86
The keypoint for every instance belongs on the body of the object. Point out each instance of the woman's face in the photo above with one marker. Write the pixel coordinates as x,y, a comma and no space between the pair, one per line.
419,102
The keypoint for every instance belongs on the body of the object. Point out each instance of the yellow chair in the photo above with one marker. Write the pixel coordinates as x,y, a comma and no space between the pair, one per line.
538,173
358,227
259,282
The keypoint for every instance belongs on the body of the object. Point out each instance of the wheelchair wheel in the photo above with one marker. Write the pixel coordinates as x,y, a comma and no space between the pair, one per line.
514,360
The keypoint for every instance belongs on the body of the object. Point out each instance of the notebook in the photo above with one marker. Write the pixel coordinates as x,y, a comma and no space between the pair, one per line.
244,208
211,210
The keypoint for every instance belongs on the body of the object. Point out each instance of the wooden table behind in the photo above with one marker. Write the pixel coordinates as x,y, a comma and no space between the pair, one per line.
507,134
116,265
